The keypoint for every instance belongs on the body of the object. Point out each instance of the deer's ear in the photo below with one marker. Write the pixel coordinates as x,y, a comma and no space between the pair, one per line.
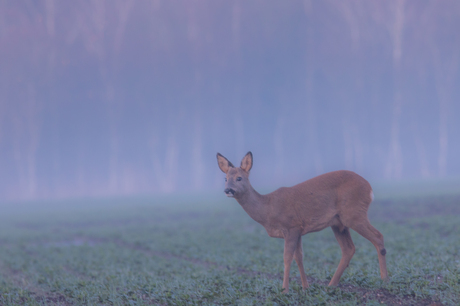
246,163
223,163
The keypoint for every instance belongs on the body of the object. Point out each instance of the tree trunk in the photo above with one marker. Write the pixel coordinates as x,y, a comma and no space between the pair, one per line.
312,134
197,155
395,160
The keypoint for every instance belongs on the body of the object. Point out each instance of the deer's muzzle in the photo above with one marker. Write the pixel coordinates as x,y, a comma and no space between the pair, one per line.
229,192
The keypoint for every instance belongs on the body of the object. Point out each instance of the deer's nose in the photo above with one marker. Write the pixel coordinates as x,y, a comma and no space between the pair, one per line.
229,190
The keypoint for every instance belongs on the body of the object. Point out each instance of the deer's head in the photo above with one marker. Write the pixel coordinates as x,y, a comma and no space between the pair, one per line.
237,179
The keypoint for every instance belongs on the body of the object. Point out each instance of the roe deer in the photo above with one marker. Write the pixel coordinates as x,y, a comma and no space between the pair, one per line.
338,199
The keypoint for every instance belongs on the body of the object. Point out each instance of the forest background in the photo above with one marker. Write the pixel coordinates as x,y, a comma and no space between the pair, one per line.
123,97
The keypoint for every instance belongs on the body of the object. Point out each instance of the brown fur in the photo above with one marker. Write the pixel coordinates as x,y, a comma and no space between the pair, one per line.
338,199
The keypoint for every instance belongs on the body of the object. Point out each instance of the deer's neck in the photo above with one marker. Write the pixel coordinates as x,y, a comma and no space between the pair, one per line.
255,205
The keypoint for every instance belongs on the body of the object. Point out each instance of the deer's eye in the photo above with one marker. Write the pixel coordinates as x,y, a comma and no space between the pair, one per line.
239,178
225,179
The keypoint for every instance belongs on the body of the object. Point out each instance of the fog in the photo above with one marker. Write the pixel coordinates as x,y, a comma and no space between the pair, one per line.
123,97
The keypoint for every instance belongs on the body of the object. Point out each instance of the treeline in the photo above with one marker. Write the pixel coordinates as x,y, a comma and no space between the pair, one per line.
123,96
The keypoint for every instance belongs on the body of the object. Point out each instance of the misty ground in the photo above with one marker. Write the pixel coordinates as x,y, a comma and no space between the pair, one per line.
186,250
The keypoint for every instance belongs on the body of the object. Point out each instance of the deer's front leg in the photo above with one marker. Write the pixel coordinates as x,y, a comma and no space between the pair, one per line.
298,256
291,240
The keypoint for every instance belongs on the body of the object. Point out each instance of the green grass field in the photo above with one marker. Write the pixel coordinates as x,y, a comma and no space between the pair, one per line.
205,250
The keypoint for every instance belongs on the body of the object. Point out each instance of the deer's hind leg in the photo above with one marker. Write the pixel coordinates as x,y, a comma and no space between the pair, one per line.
348,250
298,256
369,232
